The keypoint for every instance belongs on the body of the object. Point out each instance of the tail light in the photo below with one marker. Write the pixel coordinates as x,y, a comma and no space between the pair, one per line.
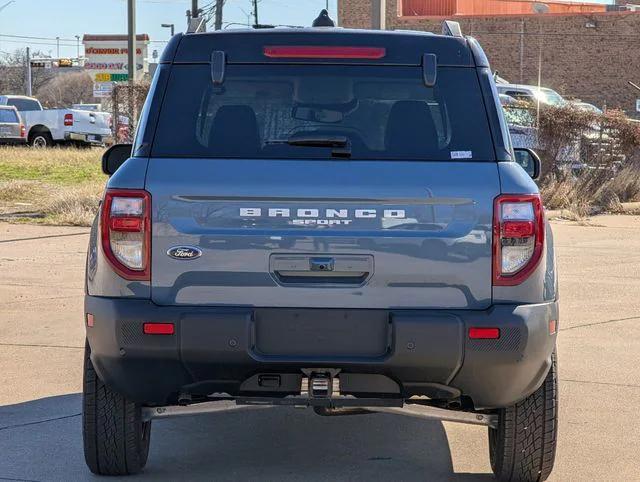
518,237
23,131
126,232
68,120
323,52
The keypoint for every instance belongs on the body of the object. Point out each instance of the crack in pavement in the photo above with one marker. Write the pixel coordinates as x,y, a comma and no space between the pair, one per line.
43,237
27,424
27,345
596,323
611,384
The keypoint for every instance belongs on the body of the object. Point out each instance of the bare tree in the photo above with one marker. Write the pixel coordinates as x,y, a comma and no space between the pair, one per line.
66,89
13,73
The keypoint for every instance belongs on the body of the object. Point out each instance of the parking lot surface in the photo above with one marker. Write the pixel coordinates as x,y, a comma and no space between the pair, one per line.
41,348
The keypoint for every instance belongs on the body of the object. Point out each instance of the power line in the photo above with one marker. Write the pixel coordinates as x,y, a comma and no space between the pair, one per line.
52,44
37,38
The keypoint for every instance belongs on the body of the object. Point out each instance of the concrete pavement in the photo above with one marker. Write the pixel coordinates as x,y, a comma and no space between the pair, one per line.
41,340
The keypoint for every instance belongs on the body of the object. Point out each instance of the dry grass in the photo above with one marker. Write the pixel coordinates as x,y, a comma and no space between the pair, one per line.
626,185
52,186
76,206
592,192
563,194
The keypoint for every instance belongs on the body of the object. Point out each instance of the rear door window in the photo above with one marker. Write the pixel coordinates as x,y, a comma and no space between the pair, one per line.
8,116
24,105
279,111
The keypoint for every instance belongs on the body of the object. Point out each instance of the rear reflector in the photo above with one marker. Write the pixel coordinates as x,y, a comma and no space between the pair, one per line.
127,224
518,229
158,328
90,320
553,327
484,333
323,52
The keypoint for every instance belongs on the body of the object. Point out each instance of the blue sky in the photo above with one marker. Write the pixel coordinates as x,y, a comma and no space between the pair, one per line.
67,18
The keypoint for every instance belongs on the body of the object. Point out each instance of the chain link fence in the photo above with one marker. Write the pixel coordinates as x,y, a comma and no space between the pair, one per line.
126,103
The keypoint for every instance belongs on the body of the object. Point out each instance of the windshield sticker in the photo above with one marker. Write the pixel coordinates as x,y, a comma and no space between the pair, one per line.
461,154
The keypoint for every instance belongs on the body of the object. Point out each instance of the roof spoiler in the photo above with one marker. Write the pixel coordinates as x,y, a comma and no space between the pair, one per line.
451,29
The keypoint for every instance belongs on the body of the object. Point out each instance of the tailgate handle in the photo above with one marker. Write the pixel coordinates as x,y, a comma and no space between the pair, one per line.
331,270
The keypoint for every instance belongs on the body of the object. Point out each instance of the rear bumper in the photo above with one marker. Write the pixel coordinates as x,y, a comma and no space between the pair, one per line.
93,139
394,353
13,140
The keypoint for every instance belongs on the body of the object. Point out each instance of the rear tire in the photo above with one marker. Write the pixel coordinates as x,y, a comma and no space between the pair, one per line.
41,140
523,447
116,440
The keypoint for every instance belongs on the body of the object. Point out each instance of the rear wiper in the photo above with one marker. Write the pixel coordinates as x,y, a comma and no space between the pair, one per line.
340,144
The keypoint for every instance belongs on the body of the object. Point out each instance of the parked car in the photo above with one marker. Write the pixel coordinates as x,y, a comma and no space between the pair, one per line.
324,218
12,130
46,127
585,106
532,93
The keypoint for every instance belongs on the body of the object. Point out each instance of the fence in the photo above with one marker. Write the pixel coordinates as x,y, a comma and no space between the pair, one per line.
127,101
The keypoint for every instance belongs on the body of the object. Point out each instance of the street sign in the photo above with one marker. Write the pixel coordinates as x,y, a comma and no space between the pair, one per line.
102,89
107,57
111,77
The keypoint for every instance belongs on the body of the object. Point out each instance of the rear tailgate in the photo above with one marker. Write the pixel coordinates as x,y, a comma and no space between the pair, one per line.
396,234
87,122
322,170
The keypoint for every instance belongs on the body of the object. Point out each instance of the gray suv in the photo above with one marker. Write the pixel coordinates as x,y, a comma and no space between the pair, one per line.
326,218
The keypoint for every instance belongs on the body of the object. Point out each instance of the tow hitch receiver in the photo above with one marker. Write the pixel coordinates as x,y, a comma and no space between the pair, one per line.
320,385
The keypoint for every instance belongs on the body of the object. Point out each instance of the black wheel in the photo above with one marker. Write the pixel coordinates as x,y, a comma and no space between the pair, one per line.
523,447
41,140
116,440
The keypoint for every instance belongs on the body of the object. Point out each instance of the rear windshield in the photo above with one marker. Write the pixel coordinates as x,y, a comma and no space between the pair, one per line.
319,111
7,115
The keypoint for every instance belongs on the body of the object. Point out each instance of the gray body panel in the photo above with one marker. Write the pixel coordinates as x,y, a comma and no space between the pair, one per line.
438,255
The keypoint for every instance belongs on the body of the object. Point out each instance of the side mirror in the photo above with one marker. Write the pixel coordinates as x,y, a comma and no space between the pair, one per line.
114,157
529,161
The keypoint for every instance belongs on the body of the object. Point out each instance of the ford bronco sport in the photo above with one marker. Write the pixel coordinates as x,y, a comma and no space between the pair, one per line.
325,218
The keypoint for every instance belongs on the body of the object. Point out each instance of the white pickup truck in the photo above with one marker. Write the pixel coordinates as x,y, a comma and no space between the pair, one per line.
47,127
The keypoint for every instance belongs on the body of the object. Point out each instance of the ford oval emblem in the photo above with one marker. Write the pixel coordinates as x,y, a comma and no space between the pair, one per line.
184,252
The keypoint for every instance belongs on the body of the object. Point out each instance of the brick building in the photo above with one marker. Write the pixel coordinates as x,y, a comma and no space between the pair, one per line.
590,55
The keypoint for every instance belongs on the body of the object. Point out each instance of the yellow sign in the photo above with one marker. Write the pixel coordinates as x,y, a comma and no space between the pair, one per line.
103,77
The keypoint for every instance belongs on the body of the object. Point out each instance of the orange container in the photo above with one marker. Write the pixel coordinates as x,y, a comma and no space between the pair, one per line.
490,7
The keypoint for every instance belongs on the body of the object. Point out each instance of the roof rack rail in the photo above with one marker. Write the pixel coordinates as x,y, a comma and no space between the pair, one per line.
451,28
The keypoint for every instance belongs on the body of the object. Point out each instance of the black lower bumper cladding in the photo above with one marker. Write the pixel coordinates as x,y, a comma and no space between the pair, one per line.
379,354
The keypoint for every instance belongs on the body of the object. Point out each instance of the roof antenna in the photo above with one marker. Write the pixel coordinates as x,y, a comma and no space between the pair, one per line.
323,20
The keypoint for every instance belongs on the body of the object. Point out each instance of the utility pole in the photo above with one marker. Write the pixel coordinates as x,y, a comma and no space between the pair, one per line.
131,57
379,14
194,9
255,12
78,47
28,73
522,51
58,47
218,20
